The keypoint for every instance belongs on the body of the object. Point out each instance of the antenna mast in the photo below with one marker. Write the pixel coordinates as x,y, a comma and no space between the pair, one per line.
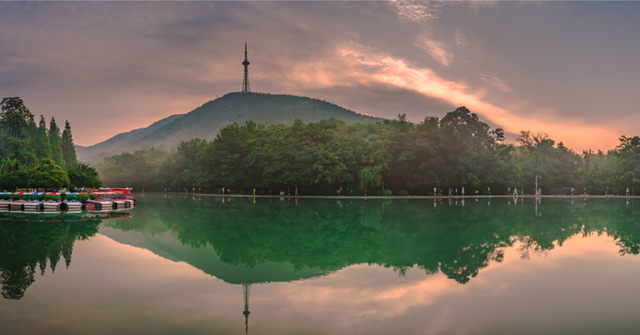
245,82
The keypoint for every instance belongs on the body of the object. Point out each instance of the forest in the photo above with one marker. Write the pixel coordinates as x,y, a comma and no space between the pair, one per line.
35,156
399,156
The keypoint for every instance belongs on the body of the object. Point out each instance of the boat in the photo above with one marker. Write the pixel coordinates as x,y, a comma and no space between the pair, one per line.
33,205
16,205
4,204
99,204
72,205
118,204
52,205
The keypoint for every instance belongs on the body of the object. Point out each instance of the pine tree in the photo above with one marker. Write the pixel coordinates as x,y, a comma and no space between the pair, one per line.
68,149
41,146
54,139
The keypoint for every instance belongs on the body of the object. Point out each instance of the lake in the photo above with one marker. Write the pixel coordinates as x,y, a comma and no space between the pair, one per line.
198,265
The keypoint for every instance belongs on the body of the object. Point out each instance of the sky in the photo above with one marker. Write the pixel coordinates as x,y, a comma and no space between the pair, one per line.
568,69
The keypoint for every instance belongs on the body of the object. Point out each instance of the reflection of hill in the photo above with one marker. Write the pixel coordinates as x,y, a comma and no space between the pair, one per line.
206,259
26,245
243,242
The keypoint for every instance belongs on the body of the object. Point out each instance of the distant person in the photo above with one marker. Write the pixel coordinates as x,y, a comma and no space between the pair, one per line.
456,191
489,189
628,192
254,192
508,190
463,194
296,191
270,191
515,191
450,192
435,191
223,191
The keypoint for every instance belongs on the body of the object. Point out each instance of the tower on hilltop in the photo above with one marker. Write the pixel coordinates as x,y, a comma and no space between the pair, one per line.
245,82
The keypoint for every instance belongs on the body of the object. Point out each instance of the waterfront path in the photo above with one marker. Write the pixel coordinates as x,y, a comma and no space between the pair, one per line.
407,197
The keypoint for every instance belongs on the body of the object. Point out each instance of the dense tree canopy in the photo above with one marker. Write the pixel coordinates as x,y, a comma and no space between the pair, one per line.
318,158
32,155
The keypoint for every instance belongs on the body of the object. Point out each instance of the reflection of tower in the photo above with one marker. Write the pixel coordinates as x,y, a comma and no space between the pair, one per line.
245,82
245,290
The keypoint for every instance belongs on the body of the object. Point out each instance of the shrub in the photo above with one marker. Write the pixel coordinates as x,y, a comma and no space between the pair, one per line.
403,193
387,193
84,197
379,193
92,196
5,196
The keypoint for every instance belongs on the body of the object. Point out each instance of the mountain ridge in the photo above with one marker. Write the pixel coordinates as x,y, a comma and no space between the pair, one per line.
206,120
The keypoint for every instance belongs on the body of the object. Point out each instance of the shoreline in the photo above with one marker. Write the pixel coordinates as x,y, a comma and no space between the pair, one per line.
402,197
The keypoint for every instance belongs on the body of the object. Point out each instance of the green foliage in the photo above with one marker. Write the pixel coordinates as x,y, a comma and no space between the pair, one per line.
13,180
68,149
48,175
137,170
84,197
387,193
403,193
54,140
83,176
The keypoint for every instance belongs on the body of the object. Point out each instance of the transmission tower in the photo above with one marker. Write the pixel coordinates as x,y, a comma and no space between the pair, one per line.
245,290
245,82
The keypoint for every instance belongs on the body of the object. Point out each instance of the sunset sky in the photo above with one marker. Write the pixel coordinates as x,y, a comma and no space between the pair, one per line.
570,69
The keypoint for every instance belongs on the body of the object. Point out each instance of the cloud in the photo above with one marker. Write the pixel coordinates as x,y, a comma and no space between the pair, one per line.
495,81
367,66
437,50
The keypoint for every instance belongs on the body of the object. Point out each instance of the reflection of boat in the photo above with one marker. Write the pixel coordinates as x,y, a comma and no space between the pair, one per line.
52,205
72,205
33,205
16,205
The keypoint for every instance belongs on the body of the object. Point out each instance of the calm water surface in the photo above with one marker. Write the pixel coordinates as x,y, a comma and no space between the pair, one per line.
196,265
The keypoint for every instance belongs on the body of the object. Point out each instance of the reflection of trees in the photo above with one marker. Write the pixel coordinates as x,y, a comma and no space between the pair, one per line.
25,246
457,241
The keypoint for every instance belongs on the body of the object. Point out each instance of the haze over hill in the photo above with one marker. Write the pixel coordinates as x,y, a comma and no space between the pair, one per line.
206,120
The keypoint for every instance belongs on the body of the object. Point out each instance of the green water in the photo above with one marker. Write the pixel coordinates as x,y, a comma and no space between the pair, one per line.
187,265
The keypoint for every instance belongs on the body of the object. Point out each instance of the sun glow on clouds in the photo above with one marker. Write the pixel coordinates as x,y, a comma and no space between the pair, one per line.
356,64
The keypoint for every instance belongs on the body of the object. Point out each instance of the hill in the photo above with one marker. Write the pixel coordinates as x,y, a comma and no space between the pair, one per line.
206,120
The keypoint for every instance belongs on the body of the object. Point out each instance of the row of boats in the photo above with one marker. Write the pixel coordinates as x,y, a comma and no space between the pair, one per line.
99,199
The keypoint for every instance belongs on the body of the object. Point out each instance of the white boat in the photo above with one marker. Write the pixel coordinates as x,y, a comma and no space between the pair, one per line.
72,205
118,204
16,205
99,204
4,204
33,205
128,203
52,205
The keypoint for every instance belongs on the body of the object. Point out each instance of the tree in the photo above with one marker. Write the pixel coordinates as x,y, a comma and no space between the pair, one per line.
41,144
48,175
15,117
68,149
54,140
83,176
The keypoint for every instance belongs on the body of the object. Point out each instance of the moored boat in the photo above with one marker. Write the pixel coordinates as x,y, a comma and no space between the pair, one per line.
52,205
33,205
72,205
16,205
99,204
4,204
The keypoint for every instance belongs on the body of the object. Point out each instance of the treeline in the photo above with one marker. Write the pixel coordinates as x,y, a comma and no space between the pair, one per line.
36,156
319,158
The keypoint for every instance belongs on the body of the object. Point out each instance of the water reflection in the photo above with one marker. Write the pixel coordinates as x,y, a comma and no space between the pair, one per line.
258,241
28,242
316,237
